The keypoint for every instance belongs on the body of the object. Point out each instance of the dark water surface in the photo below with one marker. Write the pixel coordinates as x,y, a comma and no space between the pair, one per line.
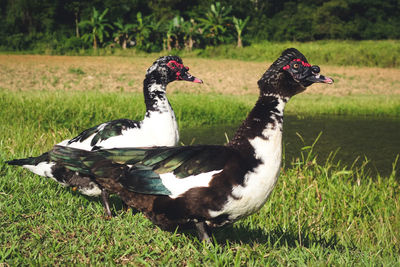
376,138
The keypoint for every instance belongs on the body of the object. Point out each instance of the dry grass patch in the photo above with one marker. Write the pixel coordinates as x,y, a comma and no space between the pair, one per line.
35,72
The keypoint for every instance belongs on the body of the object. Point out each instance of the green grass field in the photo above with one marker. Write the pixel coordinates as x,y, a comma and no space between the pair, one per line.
383,53
318,214
372,53
43,118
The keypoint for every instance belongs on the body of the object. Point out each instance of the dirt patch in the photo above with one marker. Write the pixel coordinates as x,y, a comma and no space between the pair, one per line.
35,72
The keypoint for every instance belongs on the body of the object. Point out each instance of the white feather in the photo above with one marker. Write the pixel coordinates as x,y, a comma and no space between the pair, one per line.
159,128
178,186
43,169
258,183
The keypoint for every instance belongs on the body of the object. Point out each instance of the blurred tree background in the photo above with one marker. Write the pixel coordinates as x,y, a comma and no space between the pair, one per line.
154,25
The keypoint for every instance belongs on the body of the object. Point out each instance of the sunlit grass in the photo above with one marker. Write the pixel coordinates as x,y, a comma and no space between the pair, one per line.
320,213
367,53
384,53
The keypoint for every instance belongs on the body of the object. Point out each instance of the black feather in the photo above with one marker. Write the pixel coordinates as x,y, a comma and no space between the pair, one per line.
112,128
30,161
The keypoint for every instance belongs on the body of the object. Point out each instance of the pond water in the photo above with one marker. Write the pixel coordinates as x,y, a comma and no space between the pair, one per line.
376,138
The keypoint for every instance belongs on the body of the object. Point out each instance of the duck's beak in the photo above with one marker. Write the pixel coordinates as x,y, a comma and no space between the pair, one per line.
318,78
186,76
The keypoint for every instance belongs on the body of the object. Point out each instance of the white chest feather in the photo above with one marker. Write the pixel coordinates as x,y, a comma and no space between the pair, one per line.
258,183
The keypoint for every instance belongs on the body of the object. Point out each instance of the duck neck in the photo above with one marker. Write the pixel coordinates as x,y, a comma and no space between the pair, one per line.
262,127
155,97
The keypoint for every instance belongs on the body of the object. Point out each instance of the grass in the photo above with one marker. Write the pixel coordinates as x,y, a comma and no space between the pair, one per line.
320,213
317,215
383,53
361,105
368,53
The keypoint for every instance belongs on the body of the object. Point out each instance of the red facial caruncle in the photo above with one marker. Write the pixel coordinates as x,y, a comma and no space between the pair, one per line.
305,64
176,66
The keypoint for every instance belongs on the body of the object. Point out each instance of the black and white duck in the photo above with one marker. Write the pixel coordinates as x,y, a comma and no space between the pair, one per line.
204,186
158,128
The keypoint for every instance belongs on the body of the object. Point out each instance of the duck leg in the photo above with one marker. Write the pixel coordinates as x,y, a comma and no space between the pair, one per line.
203,231
106,205
125,207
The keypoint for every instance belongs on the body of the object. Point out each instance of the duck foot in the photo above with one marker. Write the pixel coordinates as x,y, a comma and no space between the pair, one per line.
125,207
106,205
203,231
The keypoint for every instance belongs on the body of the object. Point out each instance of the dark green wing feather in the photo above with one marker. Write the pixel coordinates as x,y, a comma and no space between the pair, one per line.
70,158
142,179
105,130
139,169
206,158
183,161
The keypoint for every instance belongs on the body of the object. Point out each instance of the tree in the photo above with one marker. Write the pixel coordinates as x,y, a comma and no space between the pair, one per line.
189,28
215,22
239,26
179,29
170,34
76,7
97,25
123,33
156,33
329,19
142,31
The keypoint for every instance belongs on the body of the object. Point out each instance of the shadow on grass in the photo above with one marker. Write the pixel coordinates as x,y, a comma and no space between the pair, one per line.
278,237
234,234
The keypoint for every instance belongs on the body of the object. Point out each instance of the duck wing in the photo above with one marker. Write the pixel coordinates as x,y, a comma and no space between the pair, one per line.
139,169
104,131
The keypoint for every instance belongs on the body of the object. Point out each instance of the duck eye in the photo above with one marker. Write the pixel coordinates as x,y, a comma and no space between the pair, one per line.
295,65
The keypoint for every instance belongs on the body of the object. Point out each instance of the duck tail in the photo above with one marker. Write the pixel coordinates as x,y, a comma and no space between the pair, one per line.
30,161
99,163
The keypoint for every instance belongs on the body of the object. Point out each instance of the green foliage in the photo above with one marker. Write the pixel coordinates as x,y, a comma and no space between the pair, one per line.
334,19
215,23
97,28
45,25
180,33
142,32
239,27
123,33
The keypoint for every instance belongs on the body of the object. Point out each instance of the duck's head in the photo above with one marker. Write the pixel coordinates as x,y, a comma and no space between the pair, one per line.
170,68
291,74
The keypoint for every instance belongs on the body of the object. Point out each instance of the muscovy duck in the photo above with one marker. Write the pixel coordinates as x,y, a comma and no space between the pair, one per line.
158,128
204,186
